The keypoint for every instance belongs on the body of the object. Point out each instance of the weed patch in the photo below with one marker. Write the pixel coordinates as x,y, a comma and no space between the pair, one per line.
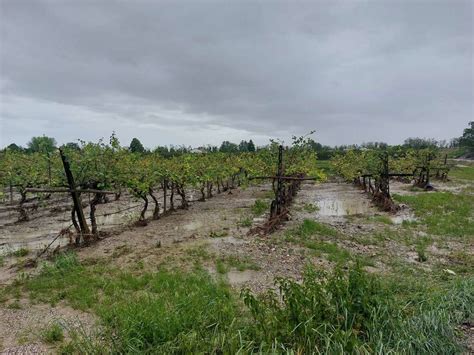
20,252
189,312
443,213
310,227
52,334
259,207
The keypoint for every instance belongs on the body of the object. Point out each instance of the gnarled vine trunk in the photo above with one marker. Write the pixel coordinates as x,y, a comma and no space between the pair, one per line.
156,210
98,197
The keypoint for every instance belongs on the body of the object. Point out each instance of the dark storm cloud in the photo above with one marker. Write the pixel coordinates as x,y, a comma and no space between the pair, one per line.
352,70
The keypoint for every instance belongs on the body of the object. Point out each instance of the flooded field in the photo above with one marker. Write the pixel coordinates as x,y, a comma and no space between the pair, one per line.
52,216
344,226
336,202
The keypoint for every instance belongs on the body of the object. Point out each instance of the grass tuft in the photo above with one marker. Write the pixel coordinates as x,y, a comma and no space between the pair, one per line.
444,213
52,334
20,252
259,207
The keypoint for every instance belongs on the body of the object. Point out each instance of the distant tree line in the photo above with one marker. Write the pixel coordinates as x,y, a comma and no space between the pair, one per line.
466,142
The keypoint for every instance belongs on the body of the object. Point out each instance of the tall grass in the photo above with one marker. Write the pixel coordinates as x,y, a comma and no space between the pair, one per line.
173,312
352,312
444,213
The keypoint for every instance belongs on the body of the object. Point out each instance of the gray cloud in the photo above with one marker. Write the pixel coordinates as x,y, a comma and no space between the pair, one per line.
197,72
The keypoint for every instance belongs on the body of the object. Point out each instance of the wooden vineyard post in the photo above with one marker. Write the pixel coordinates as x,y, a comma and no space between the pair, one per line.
11,192
165,186
75,195
428,162
283,195
385,176
278,193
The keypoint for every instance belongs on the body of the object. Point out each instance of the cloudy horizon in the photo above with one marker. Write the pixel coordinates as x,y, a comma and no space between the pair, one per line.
198,72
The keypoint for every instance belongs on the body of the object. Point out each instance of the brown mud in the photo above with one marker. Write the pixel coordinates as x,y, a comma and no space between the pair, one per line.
215,233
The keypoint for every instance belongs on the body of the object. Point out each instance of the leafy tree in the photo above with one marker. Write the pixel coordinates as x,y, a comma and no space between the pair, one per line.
136,146
250,146
162,151
42,144
228,147
15,148
324,152
72,146
467,139
420,143
376,145
243,147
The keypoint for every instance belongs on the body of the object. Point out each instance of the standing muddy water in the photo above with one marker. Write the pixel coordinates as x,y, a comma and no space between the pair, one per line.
335,202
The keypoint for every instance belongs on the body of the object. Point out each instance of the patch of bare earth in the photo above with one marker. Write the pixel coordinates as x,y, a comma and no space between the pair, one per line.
21,326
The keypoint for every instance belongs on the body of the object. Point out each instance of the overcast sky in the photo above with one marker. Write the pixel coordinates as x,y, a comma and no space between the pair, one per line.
198,72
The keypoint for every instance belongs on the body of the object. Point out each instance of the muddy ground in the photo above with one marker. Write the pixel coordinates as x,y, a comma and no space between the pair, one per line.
213,232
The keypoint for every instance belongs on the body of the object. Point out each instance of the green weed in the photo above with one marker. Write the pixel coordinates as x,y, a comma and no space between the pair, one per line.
52,334
462,173
354,313
189,312
310,227
200,252
381,219
310,207
221,234
245,222
20,252
259,207
332,251
15,305
444,213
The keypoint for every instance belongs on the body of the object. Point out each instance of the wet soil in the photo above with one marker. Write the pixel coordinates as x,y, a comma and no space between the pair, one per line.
213,230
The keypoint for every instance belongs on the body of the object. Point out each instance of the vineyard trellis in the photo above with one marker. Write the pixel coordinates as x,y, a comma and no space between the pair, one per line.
285,190
100,170
372,170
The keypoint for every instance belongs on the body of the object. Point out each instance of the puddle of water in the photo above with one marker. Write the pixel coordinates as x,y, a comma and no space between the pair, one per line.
339,207
399,219
192,226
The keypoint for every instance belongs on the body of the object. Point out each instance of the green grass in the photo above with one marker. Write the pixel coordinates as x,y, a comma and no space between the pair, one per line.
332,251
310,207
352,312
225,263
443,213
310,227
462,173
177,312
245,222
220,234
20,252
313,235
381,219
199,252
52,334
456,152
420,247
14,305
260,207
326,167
